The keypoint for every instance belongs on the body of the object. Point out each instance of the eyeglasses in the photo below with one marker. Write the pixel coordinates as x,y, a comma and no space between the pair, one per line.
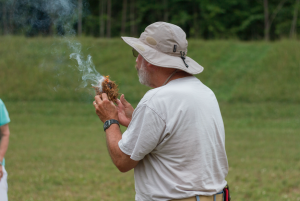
135,53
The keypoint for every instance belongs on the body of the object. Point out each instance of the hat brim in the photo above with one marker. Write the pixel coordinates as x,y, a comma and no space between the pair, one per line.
161,59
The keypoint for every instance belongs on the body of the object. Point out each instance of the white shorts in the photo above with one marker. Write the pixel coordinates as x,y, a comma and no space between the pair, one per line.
3,186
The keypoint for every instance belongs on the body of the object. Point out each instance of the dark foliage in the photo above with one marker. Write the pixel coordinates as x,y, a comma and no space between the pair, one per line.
206,19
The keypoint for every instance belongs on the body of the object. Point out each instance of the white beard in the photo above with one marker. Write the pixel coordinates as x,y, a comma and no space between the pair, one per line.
144,76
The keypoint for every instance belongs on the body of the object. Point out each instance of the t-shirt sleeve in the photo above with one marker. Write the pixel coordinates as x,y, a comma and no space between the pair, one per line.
143,133
4,117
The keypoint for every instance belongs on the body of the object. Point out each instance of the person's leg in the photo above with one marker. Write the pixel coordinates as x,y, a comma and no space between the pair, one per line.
3,186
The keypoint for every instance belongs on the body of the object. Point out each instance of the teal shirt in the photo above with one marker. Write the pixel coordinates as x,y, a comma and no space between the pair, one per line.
4,118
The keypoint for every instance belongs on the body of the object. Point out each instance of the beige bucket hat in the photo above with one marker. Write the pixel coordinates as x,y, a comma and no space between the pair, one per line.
163,44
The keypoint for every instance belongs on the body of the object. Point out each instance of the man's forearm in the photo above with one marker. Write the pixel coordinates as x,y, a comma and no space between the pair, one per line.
106,110
113,136
121,160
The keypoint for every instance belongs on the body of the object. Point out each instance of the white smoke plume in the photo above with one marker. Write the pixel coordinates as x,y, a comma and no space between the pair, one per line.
86,67
34,15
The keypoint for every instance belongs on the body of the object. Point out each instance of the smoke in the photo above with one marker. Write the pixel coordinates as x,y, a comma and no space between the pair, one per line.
58,18
86,67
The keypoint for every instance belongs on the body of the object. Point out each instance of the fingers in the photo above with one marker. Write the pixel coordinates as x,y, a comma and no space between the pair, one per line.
119,103
95,104
104,108
98,99
123,100
104,96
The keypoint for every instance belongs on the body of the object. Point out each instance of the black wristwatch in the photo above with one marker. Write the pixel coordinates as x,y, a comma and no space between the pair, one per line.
107,124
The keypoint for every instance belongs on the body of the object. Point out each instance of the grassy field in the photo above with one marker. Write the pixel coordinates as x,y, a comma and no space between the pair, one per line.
58,152
57,146
40,69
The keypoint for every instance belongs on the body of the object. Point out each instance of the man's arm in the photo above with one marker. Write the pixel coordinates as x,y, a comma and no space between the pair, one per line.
106,110
4,132
123,161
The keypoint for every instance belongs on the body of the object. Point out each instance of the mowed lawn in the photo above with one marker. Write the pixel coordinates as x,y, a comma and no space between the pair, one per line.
58,152
57,147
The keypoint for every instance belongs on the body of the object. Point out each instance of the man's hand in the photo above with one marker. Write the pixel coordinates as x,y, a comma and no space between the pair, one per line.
105,109
125,111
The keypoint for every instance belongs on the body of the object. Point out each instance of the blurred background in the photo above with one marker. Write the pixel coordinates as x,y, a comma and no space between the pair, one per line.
250,51
229,19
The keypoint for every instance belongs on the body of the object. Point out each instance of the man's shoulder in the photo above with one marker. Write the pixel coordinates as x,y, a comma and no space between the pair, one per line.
148,97
174,87
176,91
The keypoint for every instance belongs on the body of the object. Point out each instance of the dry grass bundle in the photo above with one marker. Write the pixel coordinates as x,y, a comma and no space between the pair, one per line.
109,87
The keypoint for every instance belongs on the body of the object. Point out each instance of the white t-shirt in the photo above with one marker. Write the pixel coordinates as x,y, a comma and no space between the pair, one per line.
177,135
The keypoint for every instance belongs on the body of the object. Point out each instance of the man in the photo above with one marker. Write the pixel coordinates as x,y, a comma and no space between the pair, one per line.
4,138
175,139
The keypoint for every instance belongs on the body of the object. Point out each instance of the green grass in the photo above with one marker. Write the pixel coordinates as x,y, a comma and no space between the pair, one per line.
40,69
57,146
58,152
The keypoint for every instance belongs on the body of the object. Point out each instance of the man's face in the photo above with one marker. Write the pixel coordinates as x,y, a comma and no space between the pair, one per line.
143,73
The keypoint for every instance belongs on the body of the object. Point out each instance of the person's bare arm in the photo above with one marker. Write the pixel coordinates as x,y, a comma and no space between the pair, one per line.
106,110
122,161
4,131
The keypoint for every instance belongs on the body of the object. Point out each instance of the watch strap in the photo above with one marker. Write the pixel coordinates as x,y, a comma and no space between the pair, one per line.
108,123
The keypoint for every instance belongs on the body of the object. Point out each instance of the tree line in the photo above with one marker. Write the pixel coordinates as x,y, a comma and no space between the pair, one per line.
205,19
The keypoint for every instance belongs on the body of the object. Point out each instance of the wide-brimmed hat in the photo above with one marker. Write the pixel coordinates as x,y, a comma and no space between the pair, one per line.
163,44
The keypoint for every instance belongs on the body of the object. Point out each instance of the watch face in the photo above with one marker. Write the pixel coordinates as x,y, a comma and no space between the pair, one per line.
106,124
109,122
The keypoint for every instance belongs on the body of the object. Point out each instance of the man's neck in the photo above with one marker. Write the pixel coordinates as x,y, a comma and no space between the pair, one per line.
177,75
160,80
